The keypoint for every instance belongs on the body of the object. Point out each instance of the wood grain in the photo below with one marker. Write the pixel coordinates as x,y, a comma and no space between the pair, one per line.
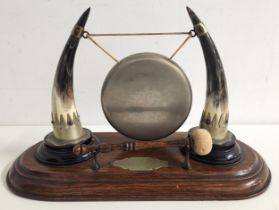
79,182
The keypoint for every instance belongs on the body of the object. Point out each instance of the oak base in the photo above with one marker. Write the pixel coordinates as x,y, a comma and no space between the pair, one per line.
79,182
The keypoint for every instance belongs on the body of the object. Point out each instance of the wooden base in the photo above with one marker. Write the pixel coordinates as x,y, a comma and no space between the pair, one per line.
79,182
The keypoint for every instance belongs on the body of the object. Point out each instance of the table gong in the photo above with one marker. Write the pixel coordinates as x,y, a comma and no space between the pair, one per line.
146,97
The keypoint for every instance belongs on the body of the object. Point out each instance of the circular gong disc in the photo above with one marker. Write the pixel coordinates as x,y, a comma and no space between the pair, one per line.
146,96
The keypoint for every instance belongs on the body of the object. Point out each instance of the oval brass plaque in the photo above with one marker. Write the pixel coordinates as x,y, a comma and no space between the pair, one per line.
146,96
140,163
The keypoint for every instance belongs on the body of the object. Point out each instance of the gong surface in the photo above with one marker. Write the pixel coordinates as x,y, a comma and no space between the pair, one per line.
146,96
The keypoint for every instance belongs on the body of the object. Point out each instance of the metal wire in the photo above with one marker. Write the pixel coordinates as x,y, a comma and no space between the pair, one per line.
141,34
103,49
90,36
180,46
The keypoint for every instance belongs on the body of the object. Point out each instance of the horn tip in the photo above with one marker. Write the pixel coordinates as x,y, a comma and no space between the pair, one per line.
83,18
194,18
189,9
87,10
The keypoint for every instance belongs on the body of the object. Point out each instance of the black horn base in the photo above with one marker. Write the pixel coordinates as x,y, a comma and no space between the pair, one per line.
225,154
60,156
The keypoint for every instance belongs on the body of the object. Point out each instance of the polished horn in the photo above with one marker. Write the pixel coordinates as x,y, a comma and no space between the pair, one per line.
67,129
215,115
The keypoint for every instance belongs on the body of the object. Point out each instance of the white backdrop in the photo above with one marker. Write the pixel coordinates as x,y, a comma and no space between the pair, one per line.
33,34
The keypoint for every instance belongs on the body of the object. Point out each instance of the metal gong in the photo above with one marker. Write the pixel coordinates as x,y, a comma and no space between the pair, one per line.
146,96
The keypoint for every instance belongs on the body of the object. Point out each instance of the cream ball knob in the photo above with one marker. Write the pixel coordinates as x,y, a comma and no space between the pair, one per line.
201,141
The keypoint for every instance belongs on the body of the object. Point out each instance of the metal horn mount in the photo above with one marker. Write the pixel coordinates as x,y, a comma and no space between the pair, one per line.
215,115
